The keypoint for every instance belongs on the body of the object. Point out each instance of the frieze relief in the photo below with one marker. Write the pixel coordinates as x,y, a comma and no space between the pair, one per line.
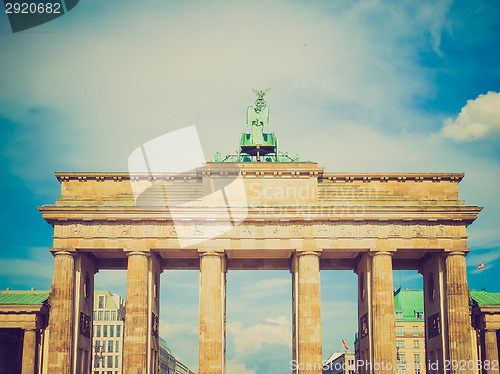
442,230
418,231
198,230
369,230
100,230
123,230
247,230
394,230
294,229
297,230
274,230
171,231
322,229
75,229
345,231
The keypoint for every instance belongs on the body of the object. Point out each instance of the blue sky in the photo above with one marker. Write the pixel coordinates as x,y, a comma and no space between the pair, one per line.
359,86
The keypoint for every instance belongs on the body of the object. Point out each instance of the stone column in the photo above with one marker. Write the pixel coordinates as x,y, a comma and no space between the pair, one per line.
384,327
29,352
491,351
135,345
309,353
457,298
61,314
212,324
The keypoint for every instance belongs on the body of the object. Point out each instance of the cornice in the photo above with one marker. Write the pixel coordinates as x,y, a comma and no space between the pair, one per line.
399,177
433,214
287,170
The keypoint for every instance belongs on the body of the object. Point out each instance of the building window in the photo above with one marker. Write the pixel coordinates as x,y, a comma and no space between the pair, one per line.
416,359
402,358
98,331
113,315
400,330
111,330
110,346
118,331
99,318
95,316
117,346
401,371
116,361
106,315
101,302
399,315
415,330
105,331
420,315
400,343
416,344
110,361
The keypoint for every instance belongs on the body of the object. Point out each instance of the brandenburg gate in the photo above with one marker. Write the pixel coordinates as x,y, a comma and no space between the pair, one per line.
259,209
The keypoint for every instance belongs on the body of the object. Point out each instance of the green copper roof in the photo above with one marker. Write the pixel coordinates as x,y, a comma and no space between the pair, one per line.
409,303
485,298
23,297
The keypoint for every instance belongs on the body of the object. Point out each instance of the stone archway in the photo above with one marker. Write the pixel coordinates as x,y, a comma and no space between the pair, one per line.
281,216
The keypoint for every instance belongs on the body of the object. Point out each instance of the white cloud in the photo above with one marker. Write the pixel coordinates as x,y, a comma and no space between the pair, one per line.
168,329
233,367
114,281
273,284
479,119
251,339
123,80
281,321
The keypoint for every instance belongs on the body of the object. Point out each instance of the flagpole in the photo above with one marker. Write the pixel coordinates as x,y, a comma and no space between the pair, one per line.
484,273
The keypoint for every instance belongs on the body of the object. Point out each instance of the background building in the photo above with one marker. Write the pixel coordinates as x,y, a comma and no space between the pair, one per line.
340,363
168,363
485,313
23,333
108,325
410,329
167,360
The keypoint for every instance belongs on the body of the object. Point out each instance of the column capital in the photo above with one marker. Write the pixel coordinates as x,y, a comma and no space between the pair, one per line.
308,253
381,253
138,253
456,253
62,252
211,254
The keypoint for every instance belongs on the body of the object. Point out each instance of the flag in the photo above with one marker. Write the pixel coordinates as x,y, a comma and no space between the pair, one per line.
480,266
345,345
